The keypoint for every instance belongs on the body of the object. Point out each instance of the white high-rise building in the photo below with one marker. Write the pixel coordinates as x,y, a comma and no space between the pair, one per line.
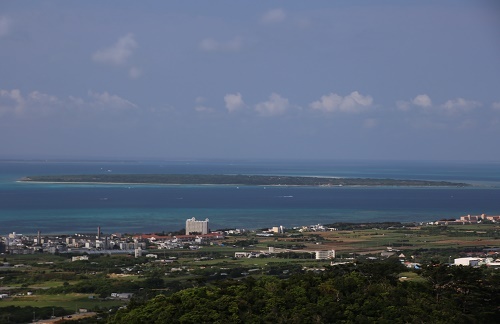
198,227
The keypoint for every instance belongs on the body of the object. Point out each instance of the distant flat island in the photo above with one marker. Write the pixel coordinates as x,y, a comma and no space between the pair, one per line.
240,180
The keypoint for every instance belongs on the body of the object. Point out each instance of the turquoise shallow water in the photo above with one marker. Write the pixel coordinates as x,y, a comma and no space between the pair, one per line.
61,208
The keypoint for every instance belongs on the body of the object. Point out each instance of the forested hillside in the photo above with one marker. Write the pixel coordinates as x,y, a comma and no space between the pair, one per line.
364,293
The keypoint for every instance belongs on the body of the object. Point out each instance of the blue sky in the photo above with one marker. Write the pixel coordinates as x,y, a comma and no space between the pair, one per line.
405,80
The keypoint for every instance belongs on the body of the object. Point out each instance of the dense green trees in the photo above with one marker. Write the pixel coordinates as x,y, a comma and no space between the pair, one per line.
364,293
16,314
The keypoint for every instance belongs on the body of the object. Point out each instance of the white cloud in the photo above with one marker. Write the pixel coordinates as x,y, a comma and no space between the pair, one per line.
5,24
203,109
496,105
37,104
403,105
118,53
328,103
354,102
459,105
14,94
273,16
450,107
39,97
422,100
76,101
134,72
276,105
107,100
11,101
42,103
212,45
233,102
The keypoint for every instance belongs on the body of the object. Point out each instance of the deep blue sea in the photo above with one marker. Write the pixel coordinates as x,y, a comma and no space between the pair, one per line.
70,208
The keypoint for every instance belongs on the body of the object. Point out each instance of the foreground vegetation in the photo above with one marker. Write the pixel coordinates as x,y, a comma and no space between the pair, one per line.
361,293
219,179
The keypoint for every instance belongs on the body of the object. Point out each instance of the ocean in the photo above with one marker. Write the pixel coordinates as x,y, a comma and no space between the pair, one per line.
80,208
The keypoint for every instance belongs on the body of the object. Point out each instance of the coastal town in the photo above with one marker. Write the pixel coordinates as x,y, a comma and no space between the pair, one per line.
196,235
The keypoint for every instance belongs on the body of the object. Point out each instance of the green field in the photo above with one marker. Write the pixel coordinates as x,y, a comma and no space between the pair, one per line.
414,238
70,302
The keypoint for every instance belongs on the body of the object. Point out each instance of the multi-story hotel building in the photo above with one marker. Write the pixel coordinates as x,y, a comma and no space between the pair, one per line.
196,227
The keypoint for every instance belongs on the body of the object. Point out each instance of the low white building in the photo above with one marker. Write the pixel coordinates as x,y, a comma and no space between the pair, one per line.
80,258
247,255
122,295
278,229
475,262
127,246
241,254
467,261
100,245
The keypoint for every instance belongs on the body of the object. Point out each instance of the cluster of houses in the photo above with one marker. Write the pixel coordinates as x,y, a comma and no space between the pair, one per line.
316,228
197,234
193,241
301,229
318,255
15,243
468,219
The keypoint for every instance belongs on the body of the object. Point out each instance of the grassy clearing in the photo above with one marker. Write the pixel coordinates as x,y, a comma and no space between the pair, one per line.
410,276
126,277
71,302
51,284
